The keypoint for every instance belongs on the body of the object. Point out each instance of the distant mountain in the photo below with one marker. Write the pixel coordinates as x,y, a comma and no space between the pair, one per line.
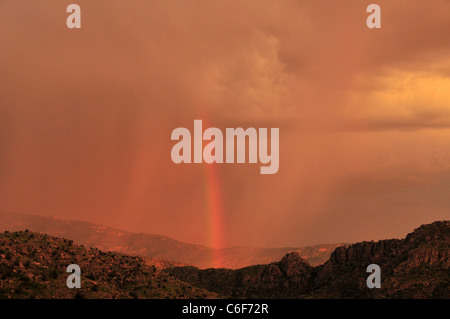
34,265
165,248
415,267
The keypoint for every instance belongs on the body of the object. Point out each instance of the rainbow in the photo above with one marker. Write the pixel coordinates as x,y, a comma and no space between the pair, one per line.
214,211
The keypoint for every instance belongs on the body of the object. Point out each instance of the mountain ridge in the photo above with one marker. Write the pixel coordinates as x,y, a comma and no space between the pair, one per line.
157,246
417,266
33,265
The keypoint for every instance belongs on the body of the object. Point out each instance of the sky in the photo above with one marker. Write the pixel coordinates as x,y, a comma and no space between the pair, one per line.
86,116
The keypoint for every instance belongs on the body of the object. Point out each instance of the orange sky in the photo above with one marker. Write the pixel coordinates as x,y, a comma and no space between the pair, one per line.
364,116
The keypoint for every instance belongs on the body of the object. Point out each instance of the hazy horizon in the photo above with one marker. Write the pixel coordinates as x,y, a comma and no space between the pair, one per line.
194,243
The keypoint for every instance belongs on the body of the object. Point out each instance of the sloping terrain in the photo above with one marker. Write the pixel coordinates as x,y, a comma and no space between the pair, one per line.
34,265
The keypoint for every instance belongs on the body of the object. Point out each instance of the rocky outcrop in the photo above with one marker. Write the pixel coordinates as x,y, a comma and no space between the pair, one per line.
293,265
287,278
414,267
417,266
367,251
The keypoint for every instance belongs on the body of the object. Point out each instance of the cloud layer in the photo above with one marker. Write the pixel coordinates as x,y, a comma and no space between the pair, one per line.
86,115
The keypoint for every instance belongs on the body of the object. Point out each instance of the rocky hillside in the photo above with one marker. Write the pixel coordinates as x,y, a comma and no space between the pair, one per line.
288,278
34,265
415,267
165,248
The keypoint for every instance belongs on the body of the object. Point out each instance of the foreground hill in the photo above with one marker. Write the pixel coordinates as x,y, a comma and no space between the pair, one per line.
110,239
415,267
34,265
